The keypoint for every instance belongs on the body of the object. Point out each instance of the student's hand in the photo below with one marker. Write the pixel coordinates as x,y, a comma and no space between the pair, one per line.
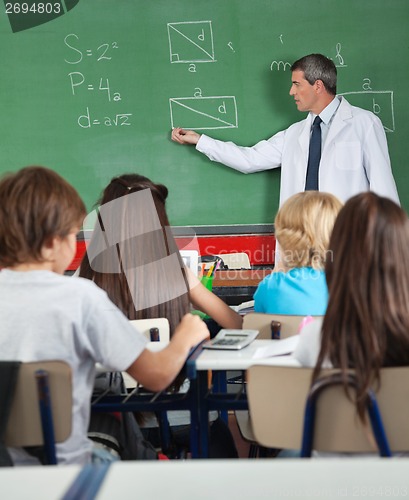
192,330
157,370
185,136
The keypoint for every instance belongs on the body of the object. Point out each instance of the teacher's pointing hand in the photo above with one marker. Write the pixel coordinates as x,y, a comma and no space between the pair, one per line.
185,136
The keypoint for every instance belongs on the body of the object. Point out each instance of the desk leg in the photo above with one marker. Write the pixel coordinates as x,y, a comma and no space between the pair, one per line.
220,386
194,418
203,414
199,416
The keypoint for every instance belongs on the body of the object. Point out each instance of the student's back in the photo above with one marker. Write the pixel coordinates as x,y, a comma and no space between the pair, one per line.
45,315
366,326
302,227
145,277
143,272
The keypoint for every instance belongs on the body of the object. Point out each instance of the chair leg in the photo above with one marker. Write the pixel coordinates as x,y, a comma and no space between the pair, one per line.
253,450
257,451
268,452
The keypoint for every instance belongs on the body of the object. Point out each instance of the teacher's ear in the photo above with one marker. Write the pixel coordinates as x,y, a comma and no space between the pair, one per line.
319,87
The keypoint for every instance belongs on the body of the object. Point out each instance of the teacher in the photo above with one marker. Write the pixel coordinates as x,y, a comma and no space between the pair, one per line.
337,148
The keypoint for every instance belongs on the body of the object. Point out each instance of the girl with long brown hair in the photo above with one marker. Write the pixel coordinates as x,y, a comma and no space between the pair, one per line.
142,272
133,256
366,326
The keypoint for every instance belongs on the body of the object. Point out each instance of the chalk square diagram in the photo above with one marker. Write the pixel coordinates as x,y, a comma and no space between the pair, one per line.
204,113
379,102
191,42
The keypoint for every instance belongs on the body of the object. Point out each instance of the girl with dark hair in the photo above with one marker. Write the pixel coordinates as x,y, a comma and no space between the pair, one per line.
150,279
366,326
133,256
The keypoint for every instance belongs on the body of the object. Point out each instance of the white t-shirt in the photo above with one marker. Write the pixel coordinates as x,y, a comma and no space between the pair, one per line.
309,345
44,315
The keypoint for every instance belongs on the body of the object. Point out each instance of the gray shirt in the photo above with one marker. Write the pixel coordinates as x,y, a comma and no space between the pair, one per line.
47,316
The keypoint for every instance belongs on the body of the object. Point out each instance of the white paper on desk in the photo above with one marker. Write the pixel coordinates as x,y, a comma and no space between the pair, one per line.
277,348
244,307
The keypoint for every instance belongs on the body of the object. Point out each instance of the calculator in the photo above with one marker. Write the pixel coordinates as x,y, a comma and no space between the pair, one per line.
231,339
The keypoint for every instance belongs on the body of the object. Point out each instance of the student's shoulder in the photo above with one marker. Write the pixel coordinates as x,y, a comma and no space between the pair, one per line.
293,276
308,346
304,274
82,286
273,279
289,275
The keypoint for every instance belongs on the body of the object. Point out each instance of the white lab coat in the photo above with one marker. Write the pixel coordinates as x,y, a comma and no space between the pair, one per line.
354,156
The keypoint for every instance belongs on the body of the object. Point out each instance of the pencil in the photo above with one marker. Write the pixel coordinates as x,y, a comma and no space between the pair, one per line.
210,271
216,267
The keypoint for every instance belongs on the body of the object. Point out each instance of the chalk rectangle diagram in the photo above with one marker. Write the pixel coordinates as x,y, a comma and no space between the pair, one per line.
204,113
379,102
191,42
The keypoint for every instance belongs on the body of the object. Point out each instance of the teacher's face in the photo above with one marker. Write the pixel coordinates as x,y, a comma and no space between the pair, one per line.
304,94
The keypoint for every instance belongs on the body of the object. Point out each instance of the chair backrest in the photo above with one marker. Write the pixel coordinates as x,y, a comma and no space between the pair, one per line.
144,326
262,322
277,397
239,260
24,426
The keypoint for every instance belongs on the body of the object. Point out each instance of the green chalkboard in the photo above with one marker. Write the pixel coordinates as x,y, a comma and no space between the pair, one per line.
91,89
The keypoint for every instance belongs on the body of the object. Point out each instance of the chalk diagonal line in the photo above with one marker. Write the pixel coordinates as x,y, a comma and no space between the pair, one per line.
191,41
201,113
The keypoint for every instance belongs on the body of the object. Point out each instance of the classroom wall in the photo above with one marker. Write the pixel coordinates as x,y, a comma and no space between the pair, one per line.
93,90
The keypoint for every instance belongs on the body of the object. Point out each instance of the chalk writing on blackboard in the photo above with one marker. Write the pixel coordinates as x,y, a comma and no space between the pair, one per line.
280,65
340,60
102,53
379,102
203,113
118,120
94,86
77,79
367,84
191,42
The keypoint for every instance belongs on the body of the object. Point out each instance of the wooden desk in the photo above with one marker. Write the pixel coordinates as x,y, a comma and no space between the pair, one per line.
243,479
240,277
238,286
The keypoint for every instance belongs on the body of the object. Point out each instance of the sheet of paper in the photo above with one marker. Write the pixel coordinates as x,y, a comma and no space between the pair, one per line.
277,348
244,307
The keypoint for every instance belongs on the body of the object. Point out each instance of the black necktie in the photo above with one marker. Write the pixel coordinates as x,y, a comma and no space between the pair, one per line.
311,182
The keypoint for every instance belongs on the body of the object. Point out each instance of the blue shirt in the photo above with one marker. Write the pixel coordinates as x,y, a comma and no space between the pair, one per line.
327,116
301,291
